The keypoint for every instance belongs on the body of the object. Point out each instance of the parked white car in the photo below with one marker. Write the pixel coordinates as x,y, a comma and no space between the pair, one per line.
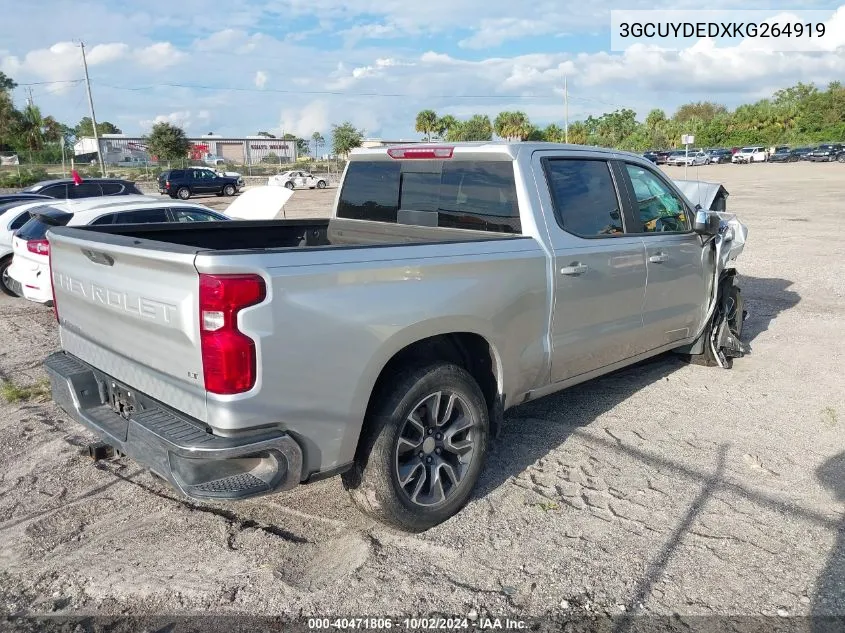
28,276
28,273
297,180
756,154
13,215
693,158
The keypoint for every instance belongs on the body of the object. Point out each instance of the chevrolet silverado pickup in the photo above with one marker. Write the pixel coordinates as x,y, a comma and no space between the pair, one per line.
236,359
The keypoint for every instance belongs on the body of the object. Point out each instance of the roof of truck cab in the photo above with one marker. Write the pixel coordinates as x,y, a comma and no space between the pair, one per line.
510,148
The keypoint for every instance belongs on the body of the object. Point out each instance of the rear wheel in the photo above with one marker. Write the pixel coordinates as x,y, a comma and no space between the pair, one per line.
321,184
841,158
422,448
184,193
4,276
289,185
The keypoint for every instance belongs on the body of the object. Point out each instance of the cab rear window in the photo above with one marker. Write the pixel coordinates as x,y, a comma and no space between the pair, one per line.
478,195
36,228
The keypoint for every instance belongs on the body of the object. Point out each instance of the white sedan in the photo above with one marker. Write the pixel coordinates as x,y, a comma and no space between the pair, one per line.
693,158
28,275
297,179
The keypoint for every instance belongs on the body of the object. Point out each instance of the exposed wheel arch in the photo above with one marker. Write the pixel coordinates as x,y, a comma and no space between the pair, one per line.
468,350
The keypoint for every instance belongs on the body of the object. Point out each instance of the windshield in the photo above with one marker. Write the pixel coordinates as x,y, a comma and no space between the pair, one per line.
35,229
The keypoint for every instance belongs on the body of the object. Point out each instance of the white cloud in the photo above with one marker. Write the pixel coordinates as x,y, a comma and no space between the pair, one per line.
159,55
304,121
182,118
260,79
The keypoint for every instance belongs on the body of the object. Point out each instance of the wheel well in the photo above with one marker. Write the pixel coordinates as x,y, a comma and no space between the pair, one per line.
467,350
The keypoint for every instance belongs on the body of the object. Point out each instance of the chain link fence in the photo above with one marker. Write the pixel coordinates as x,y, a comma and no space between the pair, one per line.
26,168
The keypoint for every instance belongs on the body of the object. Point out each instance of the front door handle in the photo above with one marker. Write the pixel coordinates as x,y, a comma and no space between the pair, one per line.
659,258
575,269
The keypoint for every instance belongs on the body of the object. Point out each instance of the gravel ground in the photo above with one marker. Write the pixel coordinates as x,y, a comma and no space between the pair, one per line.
664,488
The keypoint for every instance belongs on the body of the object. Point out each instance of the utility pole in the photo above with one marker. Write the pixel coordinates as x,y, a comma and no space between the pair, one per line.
29,101
566,110
91,106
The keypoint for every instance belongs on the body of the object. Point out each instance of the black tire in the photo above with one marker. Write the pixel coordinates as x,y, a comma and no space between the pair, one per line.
289,185
4,264
841,158
321,184
374,480
229,190
183,193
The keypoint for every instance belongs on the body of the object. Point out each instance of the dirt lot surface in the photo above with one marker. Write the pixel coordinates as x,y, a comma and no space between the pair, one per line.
664,488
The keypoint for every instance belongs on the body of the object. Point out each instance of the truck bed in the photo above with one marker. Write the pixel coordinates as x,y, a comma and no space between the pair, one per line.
251,235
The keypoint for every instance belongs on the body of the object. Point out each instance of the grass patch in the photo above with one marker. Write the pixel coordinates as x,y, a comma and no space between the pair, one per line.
829,417
10,392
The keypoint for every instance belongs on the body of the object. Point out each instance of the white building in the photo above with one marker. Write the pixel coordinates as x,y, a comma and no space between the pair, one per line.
247,150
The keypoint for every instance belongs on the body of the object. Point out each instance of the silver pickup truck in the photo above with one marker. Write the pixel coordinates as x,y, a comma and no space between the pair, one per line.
451,283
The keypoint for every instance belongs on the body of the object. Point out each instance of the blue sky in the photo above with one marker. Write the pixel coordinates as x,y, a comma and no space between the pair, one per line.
299,66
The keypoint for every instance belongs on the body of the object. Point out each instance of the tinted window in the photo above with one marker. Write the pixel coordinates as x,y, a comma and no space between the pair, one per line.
584,197
35,229
19,221
85,190
142,216
104,219
130,188
458,194
370,191
659,208
193,215
176,173
112,188
55,191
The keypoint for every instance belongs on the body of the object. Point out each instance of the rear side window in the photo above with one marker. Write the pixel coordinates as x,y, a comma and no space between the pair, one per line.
584,197
479,195
104,219
192,215
55,191
142,216
19,221
84,190
36,229
176,173
112,188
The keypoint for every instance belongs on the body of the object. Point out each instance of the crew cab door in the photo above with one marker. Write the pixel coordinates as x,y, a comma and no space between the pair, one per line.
677,263
599,272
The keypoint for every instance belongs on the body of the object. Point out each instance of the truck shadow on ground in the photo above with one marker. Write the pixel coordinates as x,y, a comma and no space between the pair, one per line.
541,426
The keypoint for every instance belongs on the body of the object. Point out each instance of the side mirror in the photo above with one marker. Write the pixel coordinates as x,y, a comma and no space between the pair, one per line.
706,223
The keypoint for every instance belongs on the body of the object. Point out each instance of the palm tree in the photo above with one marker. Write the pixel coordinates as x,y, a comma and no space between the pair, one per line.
318,141
447,125
512,126
426,123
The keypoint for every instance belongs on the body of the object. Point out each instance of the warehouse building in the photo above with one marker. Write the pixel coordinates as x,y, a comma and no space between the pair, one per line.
120,149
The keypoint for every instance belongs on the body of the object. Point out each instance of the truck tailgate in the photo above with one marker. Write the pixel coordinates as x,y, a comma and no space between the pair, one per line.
131,311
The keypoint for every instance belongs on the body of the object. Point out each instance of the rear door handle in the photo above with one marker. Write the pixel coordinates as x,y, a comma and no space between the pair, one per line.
659,258
575,269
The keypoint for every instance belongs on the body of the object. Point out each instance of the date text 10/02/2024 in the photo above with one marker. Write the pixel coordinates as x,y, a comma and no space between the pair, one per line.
418,624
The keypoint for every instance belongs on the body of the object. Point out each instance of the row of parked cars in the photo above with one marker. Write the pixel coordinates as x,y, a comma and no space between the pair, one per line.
26,216
826,152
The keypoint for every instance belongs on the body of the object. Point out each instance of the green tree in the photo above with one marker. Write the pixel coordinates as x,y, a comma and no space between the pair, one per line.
702,110
345,138
448,127
167,142
86,128
426,123
302,148
266,134
578,133
318,141
476,128
513,126
7,84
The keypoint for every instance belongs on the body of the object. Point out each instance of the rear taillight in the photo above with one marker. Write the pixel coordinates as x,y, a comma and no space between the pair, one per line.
167,184
39,247
228,355
53,289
